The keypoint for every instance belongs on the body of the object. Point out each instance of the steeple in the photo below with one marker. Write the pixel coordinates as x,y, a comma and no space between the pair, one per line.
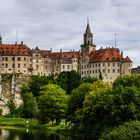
88,37
88,45
0,39
88,27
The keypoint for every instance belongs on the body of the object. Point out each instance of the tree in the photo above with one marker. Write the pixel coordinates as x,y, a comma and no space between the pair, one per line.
88,80
52,103
29,108
96,110
36,82
127,131
68,80
75,101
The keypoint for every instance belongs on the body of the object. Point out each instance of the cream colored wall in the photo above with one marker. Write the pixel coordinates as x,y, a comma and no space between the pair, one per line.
109,70
24,62
38,64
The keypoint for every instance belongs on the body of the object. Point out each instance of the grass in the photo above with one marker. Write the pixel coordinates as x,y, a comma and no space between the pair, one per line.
10,122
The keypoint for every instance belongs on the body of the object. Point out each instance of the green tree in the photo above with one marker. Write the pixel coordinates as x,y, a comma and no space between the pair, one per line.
96,110
68,80
88,79
52,103
29,108
76,99
36,82
127,131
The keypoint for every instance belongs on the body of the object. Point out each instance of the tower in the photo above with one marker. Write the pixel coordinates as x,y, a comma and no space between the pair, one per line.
88,45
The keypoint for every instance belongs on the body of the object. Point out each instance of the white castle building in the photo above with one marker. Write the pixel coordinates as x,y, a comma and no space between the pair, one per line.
108,62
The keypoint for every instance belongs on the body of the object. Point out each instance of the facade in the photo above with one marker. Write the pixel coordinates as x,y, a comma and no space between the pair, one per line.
106,62
135,70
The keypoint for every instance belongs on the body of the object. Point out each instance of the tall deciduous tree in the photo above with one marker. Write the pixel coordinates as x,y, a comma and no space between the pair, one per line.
76,99
52,103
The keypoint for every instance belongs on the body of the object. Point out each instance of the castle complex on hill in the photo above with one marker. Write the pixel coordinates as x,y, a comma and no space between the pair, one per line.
108,62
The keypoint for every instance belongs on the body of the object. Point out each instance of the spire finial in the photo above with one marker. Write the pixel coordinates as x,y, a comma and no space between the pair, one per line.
88,27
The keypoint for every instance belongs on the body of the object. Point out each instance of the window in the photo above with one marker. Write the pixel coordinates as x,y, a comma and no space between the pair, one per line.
103,70
36,61
103,64
113,71
6,65
68,66
108,64
13,58
13,65
93,71
99,64
108,70
24,65
18,65
118,64
118,70
113,64
6,58
63,66
24,58
18,58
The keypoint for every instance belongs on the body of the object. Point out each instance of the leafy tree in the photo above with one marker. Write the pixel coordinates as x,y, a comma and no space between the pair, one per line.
127,131
29,107
127,81
88,80
36,82
68,80
12,107
52,103
96,109
75,101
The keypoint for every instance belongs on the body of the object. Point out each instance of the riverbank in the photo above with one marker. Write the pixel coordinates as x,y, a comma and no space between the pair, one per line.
9,122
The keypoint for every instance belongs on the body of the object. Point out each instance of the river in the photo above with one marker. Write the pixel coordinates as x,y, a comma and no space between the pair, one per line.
26,134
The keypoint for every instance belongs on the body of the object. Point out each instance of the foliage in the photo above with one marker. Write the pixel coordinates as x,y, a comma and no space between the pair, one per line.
29,108
68,80
36,82
76,99
127,131
88,80
52,103
127,81
96,109
12,107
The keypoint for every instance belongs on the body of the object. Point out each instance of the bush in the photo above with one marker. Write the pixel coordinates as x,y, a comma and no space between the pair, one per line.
127,131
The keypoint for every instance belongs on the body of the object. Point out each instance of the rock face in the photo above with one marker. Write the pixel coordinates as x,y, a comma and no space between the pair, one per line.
10,90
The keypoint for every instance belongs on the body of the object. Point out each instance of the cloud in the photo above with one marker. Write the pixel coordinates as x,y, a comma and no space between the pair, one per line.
60,24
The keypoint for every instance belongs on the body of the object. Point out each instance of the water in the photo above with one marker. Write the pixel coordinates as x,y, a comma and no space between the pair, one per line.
20,134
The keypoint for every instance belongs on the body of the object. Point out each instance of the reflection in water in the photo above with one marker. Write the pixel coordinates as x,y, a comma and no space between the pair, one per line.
18,134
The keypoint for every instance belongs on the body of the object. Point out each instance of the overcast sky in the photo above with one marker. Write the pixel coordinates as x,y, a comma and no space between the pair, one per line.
60,24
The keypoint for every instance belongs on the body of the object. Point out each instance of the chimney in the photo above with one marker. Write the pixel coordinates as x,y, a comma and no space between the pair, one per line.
60,50
50,49
21,42
16,43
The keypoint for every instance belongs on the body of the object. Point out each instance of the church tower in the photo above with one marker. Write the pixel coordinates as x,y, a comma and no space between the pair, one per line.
88,45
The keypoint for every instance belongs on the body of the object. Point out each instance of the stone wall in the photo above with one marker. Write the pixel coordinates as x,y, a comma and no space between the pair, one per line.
10,90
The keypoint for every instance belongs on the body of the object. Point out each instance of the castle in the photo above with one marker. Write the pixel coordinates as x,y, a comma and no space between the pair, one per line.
106,62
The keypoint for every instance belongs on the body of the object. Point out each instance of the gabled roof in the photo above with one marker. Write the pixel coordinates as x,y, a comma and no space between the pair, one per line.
107,55
14,49
65,55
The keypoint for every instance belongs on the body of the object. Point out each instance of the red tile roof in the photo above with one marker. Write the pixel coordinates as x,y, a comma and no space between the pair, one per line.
14,49
65,55
107,55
